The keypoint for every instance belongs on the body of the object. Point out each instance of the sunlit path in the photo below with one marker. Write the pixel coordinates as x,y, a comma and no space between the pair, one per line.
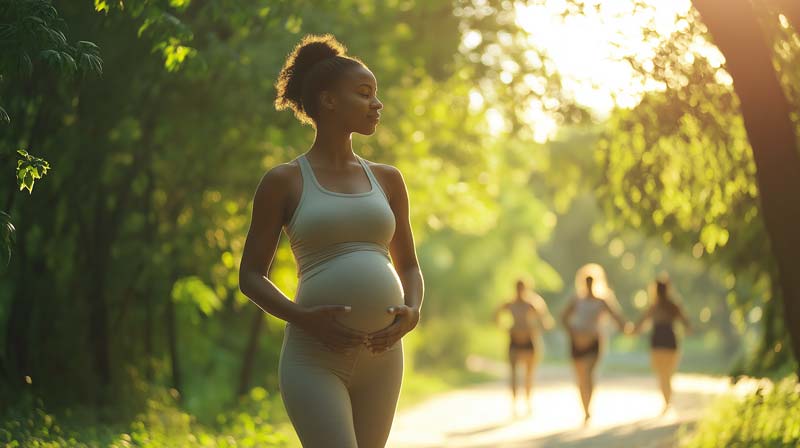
626,412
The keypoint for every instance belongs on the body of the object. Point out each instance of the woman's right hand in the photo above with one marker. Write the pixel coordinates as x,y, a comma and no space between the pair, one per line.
320,322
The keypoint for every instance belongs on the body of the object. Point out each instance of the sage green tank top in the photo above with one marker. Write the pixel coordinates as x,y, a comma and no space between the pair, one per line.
341,244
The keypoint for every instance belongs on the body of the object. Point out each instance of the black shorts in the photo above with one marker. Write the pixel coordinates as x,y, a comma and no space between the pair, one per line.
663,337
525,345
593,349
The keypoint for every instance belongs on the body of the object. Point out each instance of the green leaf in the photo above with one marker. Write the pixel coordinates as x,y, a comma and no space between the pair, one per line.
179,4
30,168
51,57
35,21
7,235
91,64
58,38
193,290
4,115
24,64
84,46
7,30
68,63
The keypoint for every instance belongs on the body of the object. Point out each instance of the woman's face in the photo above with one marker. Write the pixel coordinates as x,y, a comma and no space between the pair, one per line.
354,102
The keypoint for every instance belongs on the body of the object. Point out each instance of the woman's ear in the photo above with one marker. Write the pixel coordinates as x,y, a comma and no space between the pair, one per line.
327,100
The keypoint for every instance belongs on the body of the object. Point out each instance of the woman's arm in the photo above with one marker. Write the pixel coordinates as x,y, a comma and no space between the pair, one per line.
269,205
404,258
269,214
617,316
540,307
565,316
642,319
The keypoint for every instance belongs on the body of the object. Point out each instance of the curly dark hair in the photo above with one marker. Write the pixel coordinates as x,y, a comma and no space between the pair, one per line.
313,66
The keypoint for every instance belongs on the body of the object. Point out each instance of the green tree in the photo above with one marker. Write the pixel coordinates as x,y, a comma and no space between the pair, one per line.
679,166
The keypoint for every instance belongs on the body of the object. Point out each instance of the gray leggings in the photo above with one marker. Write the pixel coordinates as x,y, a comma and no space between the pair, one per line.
339,400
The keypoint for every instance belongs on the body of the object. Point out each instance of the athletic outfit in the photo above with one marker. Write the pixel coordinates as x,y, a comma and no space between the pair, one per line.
340,242
592,349
527,345
520,312
663,335
585,319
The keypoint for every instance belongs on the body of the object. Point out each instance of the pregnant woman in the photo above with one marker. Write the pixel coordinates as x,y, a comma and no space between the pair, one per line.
360,286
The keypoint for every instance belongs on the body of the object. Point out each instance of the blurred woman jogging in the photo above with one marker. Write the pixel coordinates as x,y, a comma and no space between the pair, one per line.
582,318
528,310
663,312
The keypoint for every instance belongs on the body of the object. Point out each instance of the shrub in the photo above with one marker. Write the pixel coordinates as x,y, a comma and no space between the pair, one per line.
769,417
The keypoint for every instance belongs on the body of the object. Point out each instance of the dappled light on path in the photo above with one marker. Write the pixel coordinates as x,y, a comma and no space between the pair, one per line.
626,411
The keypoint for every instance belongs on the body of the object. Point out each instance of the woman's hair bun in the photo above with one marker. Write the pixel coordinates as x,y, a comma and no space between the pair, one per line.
311,50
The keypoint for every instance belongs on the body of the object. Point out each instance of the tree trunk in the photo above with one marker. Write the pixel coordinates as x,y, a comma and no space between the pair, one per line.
18,323
18,337
149,239
766,114
148,338
172,341
731,341
98,252
250,352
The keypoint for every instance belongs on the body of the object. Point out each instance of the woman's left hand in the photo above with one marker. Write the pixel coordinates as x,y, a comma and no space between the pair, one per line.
406,318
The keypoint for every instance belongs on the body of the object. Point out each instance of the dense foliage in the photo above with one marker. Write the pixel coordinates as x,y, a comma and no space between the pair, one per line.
768,417
153,121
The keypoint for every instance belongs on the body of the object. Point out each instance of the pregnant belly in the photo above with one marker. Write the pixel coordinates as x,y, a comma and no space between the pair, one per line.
364,280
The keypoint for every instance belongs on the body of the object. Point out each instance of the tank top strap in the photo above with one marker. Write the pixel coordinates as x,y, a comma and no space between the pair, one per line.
305,168
376,185
307,172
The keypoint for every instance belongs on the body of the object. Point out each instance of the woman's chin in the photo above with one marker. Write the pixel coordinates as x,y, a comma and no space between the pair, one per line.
367,130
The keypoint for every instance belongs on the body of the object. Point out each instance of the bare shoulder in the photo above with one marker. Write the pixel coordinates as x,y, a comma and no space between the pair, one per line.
385,170
282,172
279,183
389,176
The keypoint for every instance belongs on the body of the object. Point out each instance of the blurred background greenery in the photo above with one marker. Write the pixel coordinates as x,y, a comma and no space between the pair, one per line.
534,137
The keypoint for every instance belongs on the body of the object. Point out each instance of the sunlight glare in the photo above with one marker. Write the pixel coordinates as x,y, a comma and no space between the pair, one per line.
589,50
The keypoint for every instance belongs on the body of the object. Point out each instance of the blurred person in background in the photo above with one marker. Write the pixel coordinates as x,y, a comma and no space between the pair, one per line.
528,311
663,312
593,301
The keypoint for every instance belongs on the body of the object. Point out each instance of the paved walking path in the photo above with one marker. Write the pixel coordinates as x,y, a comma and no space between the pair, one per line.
626,412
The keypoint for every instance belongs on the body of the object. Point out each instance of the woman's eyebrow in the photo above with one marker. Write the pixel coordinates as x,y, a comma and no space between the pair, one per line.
366,85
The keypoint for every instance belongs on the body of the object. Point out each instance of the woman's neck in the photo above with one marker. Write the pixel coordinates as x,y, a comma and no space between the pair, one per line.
332,147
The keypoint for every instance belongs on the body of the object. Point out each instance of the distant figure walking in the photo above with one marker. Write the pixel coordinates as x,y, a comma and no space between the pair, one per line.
582,317
526,309
664,353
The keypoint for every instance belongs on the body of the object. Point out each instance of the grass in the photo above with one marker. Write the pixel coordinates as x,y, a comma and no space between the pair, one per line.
260,419
161,424
769,417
